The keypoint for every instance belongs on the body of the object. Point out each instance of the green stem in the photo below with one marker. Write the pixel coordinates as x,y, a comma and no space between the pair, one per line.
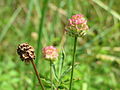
37,74
51,75
74,51
39,45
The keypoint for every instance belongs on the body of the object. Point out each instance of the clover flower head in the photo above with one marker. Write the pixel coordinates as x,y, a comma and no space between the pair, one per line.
50,53
26,52
77,25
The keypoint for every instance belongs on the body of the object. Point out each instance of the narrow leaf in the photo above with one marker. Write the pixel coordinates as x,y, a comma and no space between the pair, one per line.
61,62
54,72
68,70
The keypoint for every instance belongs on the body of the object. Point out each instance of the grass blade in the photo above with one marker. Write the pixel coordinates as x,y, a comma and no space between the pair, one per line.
4,31
69,5
54,22
95,39
37,7
39,45
31,4
101,4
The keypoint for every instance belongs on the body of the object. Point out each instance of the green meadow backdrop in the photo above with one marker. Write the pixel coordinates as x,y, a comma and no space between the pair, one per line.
42,23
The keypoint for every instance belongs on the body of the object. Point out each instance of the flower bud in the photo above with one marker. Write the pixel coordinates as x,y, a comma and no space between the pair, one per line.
77,26
26,52
50,53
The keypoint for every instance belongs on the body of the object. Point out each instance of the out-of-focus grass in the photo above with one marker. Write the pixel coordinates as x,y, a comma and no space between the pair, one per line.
99,67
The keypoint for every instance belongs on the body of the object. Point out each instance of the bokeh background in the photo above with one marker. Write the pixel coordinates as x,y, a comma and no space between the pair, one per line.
98,53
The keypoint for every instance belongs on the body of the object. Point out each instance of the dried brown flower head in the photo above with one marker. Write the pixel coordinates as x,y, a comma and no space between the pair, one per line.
26,52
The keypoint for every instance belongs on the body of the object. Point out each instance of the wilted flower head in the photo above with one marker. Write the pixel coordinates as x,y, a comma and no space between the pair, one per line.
77,25
50,53
26,52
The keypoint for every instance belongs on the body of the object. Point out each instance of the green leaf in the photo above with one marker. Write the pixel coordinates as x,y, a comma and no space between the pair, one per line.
47,83
61,62
54,72
63,86
68,70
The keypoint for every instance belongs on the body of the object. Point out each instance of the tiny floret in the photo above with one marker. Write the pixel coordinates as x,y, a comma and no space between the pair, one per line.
26,52
50,53
77,26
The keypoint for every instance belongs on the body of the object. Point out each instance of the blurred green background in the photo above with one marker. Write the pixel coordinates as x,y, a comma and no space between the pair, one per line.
98,53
